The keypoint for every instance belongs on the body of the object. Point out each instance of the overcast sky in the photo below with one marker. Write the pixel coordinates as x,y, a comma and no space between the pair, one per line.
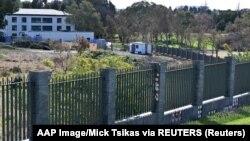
213,4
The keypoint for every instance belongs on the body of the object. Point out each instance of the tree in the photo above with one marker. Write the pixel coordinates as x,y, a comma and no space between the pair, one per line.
201,25
85,17
26,4
110,27
56,4
7,7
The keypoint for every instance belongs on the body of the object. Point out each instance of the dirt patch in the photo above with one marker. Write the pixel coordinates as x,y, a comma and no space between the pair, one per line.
25,60
29,60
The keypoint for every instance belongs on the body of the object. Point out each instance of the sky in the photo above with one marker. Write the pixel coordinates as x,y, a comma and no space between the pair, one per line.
212,4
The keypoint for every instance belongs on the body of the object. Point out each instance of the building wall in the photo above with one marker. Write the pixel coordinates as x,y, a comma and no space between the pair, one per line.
19,23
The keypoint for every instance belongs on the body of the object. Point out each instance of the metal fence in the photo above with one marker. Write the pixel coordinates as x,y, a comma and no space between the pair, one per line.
216,80
134,91
14,109
75,99
187,53
242,78
80,99
180,86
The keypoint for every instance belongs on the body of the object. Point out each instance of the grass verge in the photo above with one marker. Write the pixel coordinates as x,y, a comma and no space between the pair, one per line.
240,116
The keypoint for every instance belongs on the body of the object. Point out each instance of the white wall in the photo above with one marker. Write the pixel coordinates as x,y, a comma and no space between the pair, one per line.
19,23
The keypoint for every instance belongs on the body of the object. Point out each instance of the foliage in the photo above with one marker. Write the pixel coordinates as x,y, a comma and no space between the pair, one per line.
22,43
82,45
7,6
91,61
32,44
241,56
16,69
5,73
85,17
48,63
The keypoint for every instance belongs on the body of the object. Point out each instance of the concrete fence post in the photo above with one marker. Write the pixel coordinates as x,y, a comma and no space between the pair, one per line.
108,96
199,79
159,95
39,99
231,79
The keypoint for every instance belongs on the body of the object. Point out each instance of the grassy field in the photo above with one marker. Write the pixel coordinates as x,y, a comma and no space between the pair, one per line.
240,116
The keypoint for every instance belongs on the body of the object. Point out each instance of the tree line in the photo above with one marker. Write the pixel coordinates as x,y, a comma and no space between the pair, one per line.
186,26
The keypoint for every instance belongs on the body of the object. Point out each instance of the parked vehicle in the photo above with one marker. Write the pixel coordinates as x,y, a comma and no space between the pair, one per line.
140,48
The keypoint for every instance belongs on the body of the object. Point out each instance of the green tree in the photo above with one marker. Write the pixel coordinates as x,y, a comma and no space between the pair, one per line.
7,6
85,17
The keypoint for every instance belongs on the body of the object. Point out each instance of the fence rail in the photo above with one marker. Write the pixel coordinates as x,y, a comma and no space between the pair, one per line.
15,108
187,53
134,89
216,78
110,97
75,99
180,87
242,78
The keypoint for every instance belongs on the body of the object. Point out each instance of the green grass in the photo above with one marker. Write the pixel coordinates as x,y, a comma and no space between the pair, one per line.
237,117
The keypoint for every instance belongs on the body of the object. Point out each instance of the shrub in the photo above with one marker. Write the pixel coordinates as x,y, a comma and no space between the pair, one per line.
16,70
22,43
48,63
5,73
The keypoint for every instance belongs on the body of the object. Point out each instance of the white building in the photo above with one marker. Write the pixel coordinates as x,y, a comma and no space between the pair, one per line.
46,23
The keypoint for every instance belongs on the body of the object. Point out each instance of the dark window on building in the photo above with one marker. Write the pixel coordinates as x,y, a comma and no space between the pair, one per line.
36,28
59,20
36,20
14,19
14,28
14,34
24,20
59,28
68,28
47,28
47,20
24,28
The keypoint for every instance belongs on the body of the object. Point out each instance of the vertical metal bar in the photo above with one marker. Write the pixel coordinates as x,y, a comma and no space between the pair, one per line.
56,101
20,110
11,110
8,112
16,116
23,110
28,95
52,102
3,108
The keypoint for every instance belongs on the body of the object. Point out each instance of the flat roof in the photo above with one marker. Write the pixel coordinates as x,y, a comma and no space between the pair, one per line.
50,12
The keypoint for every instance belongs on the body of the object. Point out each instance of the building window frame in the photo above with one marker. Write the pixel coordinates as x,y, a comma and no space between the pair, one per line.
47,28
14,19
68,28
24,20
59,20
47,20
36,28
24,28
14,28
36,20
59,28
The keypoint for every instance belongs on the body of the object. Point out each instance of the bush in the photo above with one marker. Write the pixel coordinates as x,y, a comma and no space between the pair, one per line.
5,73
16,70
22,43
48,63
